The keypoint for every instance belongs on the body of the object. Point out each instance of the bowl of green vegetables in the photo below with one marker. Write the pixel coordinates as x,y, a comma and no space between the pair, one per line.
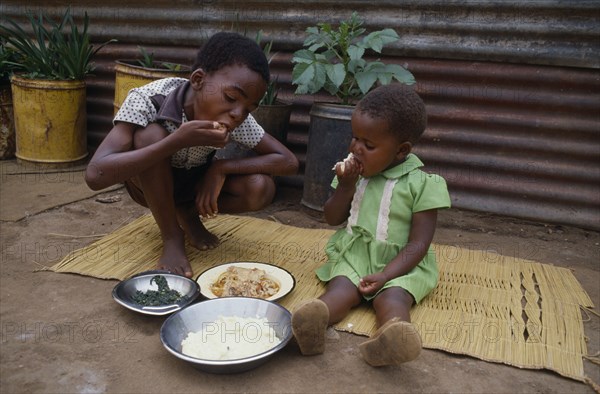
156,292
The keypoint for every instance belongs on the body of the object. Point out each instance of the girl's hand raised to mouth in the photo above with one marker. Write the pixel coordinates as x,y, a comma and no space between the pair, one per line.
203,133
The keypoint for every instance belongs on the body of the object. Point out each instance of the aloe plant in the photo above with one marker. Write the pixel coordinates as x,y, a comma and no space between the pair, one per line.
332,60
148,61
55,51
272,91
8,59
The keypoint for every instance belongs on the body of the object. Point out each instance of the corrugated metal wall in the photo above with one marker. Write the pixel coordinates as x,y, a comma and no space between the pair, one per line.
512,88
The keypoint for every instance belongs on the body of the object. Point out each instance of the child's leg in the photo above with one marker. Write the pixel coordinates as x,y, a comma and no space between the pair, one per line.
341,296
240,193
396,341
186,183
156,183
246,193
311,318
392,302
189,219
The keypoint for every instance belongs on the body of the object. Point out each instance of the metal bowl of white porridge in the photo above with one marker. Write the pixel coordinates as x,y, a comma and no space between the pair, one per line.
227,335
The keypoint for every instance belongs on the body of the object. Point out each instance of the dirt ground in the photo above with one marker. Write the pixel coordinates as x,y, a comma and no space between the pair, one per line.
63,333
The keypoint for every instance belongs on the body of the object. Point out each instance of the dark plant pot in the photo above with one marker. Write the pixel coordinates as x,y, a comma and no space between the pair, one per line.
275,119
7,123
329,137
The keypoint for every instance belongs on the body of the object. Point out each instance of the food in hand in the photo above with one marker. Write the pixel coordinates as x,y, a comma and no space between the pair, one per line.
343,163
244,282
219,126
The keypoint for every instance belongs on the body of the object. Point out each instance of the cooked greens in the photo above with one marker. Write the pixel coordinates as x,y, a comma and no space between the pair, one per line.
164,296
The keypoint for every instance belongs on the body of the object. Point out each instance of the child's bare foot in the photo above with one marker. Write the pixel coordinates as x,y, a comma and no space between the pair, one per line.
393,343
309,325
201,238
198,236
173,258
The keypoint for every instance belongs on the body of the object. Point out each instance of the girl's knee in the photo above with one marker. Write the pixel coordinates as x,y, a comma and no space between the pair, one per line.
393,302
260,191
340,288
340,297
396,295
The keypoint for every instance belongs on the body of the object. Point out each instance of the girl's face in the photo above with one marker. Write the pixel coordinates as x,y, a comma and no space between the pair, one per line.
374,146
227,95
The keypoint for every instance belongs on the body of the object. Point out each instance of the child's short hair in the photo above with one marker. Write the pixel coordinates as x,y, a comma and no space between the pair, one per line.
227,49
400,106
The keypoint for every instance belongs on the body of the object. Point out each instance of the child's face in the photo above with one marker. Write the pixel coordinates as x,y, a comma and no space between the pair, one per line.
227,95
374,146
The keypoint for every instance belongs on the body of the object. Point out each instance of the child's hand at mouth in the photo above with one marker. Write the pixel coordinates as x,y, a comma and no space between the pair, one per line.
350,166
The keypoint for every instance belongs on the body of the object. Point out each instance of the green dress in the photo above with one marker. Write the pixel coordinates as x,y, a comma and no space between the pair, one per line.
379,225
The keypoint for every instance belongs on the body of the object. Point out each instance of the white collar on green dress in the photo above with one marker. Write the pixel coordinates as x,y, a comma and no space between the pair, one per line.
392,175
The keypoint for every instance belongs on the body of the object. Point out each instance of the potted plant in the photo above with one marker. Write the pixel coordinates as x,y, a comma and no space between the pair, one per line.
333,60
272,113
133,73
8,57
49,92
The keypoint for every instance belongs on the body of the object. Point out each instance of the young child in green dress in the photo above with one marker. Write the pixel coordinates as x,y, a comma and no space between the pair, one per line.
164,137
383,255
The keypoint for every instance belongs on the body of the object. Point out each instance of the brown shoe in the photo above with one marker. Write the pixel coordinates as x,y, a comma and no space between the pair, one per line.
309,325
394,343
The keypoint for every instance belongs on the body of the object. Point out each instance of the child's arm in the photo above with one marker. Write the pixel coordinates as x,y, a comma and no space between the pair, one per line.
337,208
273,158
116,160
420,237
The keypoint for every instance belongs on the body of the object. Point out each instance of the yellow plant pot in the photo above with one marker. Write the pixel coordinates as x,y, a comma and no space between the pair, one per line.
128,75
50,120
7,123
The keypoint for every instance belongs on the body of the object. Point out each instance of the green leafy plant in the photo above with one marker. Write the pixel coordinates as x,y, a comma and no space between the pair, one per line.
8,60
148,61
270,96
56,51
333,60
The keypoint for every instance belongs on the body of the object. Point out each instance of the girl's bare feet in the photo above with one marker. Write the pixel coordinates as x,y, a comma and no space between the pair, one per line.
173,258
201,238
309,324
198,236
394,343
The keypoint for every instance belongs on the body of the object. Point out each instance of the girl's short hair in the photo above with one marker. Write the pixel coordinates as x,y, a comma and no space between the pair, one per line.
227,49
400,106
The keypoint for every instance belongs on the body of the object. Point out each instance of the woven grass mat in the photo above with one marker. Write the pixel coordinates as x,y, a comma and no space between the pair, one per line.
488,306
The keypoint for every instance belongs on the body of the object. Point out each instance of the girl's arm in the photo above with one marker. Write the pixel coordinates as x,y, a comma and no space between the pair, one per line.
116,160
337,208
420,237
273,159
